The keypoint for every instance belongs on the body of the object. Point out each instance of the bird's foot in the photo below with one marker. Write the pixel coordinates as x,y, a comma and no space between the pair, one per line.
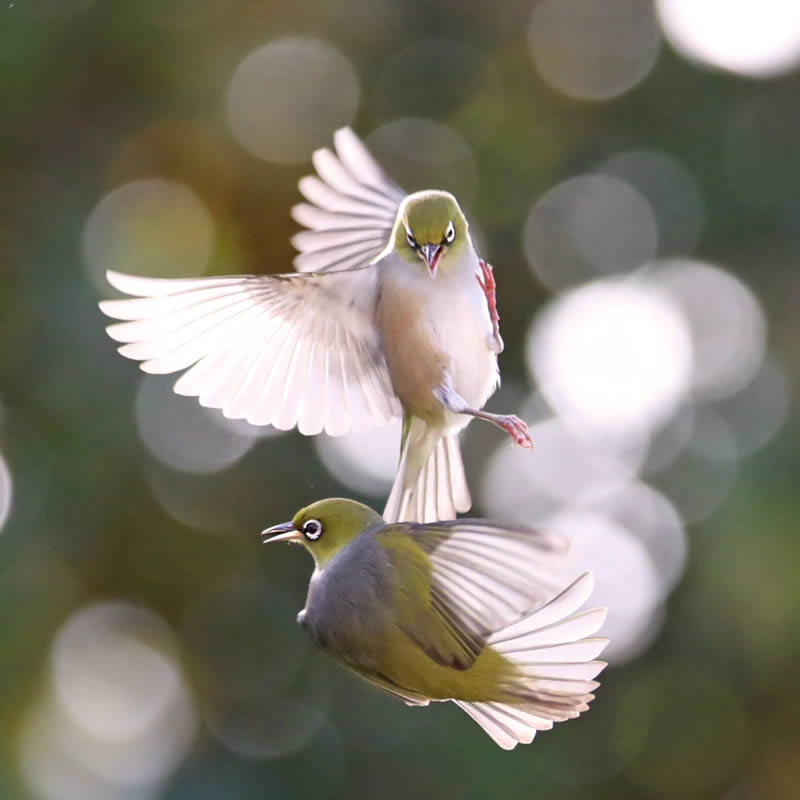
488,285
515,428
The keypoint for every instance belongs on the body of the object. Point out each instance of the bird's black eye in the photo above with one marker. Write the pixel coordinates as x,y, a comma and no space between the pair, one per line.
450,233
412,242
312,529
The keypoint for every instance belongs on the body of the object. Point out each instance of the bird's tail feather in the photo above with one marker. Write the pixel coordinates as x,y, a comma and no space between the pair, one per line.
436,489
554,652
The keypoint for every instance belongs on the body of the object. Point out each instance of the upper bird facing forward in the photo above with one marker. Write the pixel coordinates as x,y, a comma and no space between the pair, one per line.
391,313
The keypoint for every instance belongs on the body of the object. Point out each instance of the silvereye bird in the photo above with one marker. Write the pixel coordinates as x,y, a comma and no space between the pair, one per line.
391,313
463,610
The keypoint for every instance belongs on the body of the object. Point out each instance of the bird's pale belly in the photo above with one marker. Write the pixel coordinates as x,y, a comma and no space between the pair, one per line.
439,338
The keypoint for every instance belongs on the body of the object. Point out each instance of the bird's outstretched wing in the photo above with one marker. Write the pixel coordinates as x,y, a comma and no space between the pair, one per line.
462,580
351,208
287,350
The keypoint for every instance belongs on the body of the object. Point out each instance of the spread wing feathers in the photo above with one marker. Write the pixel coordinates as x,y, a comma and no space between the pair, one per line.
286,350
351,209
465,579
554,652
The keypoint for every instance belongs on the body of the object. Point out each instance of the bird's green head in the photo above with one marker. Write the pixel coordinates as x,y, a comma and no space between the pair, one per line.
430,231
325,527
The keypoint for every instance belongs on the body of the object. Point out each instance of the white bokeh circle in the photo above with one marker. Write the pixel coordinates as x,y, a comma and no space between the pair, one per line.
153,227
586,226
287,97
612,357
759,40
593,50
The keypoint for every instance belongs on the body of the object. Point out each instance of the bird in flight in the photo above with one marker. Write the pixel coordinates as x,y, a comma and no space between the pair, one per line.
391,313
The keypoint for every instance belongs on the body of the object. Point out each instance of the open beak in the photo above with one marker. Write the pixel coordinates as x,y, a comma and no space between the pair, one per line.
285,532
431,253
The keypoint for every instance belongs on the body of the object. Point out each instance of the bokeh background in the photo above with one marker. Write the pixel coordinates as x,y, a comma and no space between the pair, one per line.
633,172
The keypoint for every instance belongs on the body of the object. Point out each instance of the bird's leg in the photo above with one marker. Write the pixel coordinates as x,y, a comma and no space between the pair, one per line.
510,423
487,283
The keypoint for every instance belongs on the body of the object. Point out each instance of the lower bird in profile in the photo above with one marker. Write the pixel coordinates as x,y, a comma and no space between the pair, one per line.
390,314
465,610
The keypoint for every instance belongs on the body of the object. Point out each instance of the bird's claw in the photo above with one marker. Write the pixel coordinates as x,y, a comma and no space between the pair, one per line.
516,429
488,285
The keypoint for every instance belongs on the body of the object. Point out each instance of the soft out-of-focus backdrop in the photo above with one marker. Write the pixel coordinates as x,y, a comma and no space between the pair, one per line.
633,172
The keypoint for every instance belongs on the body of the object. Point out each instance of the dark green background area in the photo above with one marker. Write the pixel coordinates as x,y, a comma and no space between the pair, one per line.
94,99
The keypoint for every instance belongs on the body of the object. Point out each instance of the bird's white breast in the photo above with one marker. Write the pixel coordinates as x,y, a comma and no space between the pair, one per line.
454,312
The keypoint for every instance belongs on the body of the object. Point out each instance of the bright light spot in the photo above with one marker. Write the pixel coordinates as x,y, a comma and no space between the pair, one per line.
365,461
287,97
421,153
118,718
656,523
588,225
593,50
473,102
50,750
626,580
149,227
759,40
726,322
526,487
108,675
268,729
672,192
613,357
181,434
6,491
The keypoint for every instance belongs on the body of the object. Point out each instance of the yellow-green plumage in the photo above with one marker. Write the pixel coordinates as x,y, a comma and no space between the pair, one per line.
426,215
451,611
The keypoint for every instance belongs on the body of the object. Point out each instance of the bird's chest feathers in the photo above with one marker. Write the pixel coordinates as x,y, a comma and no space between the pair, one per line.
433,328
459,320
345,604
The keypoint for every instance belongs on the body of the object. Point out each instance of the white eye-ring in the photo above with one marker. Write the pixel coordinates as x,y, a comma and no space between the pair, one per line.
412,242
312,529
450,233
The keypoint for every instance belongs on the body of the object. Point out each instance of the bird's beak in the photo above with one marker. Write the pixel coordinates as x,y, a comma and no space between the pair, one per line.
431,253
285,532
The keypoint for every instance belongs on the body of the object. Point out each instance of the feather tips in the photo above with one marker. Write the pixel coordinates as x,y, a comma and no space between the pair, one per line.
288,350
351,208
555,654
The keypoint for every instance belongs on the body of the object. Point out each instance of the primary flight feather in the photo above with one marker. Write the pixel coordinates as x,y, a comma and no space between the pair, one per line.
391,313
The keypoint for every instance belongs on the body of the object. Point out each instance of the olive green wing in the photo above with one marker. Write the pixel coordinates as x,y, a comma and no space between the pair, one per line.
457,582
